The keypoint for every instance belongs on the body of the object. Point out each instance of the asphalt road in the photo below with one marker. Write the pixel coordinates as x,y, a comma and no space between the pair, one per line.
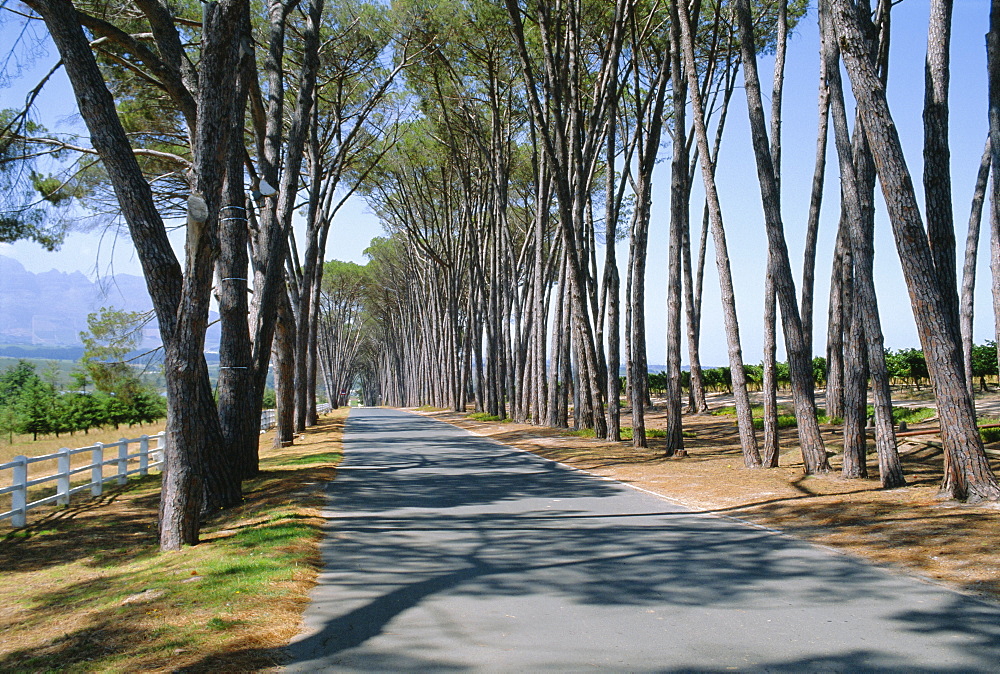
449,552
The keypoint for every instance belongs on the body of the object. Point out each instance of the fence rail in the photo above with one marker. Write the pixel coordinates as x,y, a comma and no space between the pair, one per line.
269,420
146,457
143,460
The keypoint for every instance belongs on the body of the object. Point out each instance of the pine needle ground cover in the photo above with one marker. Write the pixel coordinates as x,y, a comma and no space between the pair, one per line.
86,589
908,529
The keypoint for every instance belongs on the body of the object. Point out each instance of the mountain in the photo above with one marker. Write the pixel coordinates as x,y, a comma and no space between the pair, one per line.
50,309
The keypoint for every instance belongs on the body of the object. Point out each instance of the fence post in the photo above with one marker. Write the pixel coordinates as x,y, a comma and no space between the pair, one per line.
97,469
19,497
122,461
161,444
62,483
144,455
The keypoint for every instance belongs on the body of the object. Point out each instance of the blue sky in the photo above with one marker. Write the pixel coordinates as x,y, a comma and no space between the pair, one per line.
355,226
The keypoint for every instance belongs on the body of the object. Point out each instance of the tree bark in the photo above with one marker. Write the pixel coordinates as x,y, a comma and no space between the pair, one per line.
771,449
967,294
679,201
815,203
968,473
744,418
937,153
180,300
857,190
993,72
799,361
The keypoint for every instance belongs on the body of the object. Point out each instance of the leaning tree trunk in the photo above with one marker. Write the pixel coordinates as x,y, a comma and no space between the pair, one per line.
180,300
857,190
799,361
968,473
967,294
744,417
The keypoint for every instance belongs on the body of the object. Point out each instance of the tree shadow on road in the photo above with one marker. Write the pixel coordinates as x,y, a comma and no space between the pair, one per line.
460,519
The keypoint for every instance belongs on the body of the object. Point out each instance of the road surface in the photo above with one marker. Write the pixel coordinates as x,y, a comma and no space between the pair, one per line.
449,552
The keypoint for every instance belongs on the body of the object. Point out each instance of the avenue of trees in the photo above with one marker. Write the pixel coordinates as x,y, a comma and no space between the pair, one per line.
506,145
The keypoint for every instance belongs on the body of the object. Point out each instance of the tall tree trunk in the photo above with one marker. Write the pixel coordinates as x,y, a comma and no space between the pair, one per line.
799,361
855,381
815,205
857,190
180,300
968,473
771,449
937,153
271,245
611,285
679,201
744,417
284,373
835,323
993,71
967,294
239,425
769,383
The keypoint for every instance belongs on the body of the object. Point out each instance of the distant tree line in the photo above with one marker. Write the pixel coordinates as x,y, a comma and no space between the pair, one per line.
30,403
906,367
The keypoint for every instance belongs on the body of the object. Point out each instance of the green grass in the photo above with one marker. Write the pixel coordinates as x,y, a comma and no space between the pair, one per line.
97,595
483,416
221,624
911,415
325,457
989,434
431,408
626,433
786,419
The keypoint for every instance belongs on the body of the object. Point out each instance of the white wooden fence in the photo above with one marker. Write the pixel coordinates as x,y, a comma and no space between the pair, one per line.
143,460
268,418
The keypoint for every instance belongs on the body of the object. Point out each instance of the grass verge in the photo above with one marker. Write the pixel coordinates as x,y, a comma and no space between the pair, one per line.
86,589
484,416
625,432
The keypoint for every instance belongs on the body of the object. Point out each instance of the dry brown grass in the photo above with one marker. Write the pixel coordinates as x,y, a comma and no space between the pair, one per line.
24,445
85,588
910,529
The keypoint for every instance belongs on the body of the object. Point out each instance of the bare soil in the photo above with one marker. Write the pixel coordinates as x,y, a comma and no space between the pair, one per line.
910,529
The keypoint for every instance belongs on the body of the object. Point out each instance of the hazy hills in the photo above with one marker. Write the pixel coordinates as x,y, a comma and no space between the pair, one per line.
50,309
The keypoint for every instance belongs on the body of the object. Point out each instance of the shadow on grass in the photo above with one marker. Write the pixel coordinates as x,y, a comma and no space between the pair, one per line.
89,529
